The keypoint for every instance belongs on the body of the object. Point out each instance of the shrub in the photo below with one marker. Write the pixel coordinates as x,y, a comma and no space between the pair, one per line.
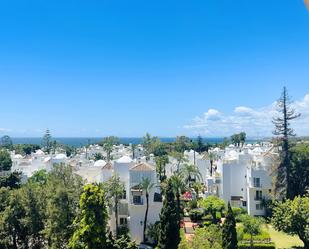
192,204
237,211
260,238
257,246
196,214
207,217
264,236
207,223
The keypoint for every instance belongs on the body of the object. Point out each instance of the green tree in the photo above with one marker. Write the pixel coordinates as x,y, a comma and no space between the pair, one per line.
212,204
133,148
235,139
159,149
284,131
200,144
212,157
54,146
169,236
47,142
98,156
13,231
180,158
190,173
182,143
5,161
150,143
146,186
178,186
252,226
161,162
13,180
108,144
300,169
124,242
63,189
207,238
115,189
27,149
292,217
153,231
33,201
68,150
39,177
6,142
22,218
91,224
242,137
225,142
229,235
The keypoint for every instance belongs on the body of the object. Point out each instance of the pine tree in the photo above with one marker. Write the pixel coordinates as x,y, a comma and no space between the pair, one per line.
229,235
200,144
283,129
47,141
169,236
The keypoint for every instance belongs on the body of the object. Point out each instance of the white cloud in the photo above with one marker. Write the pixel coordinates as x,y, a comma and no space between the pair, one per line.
3,130
254,121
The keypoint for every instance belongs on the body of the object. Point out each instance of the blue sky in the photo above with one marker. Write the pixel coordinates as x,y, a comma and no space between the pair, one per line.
96,68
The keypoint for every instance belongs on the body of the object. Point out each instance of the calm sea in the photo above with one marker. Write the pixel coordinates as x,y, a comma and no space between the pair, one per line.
80,141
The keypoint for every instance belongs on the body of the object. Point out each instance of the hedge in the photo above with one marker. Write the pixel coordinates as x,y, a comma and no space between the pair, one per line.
257,246
261,238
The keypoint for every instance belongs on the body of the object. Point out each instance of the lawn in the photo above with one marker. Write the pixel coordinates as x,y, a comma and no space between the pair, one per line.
283,240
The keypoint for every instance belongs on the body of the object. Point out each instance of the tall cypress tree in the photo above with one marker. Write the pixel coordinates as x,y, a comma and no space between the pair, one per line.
284,131
91,224
169,236
229,235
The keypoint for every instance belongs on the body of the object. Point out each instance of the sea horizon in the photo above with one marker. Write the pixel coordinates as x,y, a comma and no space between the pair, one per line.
81,141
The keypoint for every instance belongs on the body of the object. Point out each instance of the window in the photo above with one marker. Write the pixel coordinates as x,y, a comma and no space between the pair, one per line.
157,197
123,221
256,182
258,195
137,200
244,203
259,207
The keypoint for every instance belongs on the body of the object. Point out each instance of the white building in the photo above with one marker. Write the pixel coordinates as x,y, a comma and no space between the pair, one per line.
243,178
137,199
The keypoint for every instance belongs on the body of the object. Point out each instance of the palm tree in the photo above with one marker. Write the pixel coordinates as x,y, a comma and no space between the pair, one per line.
190,172
179,156
133,147
146,185
212,157
115,189
179,187
108,144
161,162
108,147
